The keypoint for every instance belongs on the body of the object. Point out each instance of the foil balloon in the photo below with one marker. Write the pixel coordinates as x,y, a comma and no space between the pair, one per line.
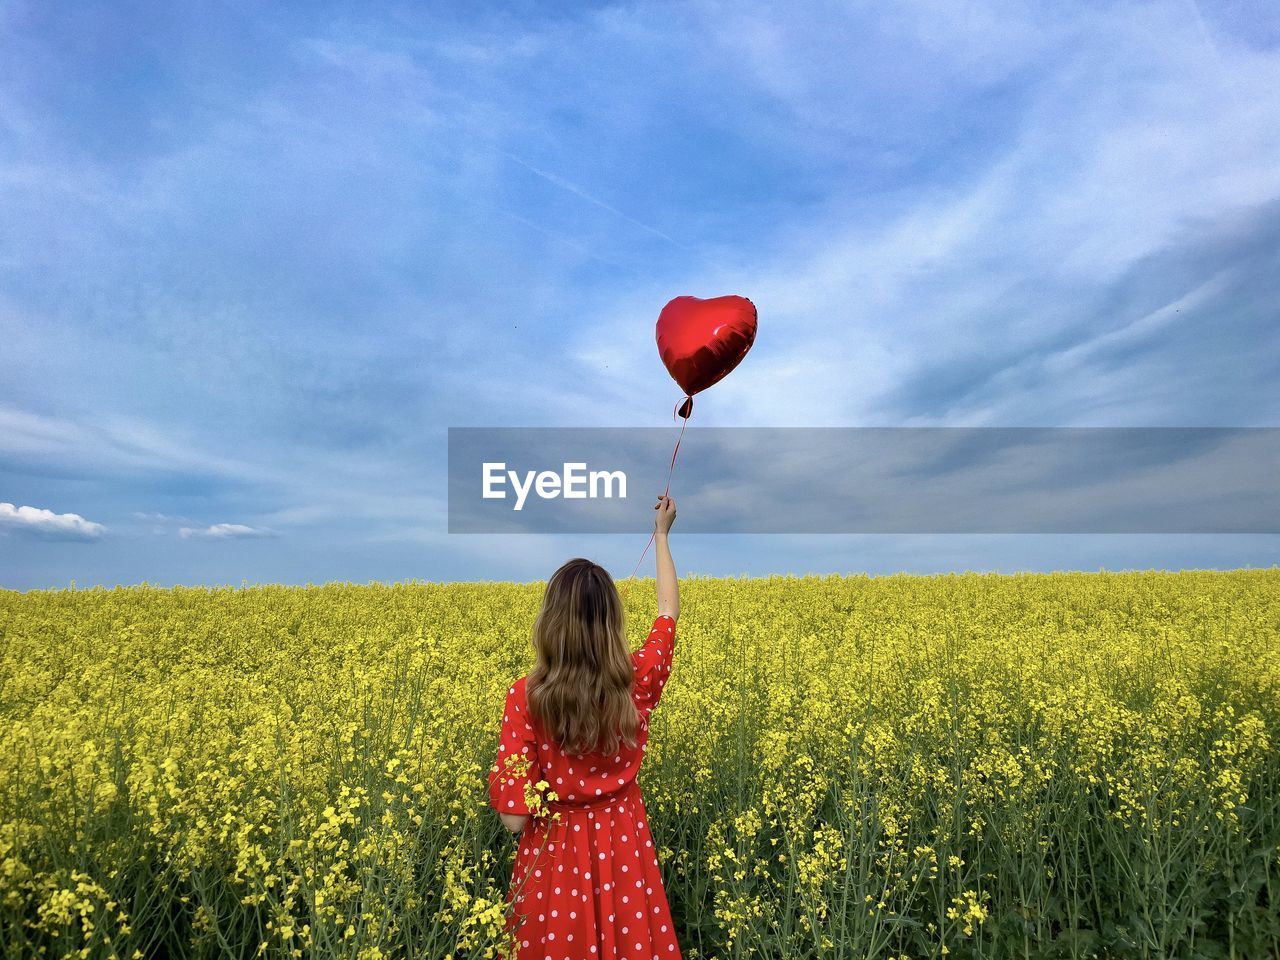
701,341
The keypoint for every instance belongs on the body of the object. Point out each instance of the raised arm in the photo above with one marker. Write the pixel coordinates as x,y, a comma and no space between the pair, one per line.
668,586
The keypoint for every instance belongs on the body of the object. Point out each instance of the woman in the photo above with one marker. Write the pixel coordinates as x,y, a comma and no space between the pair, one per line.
586,881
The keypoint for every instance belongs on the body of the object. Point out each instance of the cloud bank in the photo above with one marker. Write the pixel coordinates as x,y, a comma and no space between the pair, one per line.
64,526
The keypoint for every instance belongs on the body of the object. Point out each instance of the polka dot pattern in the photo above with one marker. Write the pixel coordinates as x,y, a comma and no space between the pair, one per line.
592,886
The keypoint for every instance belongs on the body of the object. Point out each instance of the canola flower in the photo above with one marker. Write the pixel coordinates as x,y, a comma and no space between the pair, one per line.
1067,765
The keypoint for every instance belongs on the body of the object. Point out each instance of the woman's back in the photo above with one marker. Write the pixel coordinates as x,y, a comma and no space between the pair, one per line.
590,880
585,778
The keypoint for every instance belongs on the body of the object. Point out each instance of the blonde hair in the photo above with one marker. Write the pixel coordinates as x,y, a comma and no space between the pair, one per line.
580,689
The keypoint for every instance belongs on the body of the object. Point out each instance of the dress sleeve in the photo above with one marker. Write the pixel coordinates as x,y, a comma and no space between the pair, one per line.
653,663
517,762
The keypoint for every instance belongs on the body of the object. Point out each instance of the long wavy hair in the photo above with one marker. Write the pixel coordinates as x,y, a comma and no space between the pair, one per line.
580,689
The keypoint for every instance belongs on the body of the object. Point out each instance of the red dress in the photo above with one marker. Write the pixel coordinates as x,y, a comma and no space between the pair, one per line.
587,887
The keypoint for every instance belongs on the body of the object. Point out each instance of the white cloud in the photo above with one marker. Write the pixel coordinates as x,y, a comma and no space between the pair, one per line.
46,522
222,531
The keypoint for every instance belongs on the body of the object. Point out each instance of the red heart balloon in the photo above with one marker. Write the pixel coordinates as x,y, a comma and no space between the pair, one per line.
701,341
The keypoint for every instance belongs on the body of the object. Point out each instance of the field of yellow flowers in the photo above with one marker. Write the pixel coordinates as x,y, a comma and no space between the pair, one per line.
1064,765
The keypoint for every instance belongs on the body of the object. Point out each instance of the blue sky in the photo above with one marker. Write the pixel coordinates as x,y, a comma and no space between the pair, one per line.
254,262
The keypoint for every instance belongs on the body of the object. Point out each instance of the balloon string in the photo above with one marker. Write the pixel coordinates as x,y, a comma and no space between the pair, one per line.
667,489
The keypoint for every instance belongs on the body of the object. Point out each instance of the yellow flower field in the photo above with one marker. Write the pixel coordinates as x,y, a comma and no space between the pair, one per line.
1063,765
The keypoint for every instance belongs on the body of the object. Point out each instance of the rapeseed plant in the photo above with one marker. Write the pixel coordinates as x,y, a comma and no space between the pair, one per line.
1066,765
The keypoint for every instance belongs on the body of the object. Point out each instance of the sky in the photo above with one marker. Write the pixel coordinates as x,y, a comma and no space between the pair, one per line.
256,259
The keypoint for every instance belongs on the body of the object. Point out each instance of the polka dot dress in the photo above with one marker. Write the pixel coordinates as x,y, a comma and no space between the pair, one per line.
589,886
